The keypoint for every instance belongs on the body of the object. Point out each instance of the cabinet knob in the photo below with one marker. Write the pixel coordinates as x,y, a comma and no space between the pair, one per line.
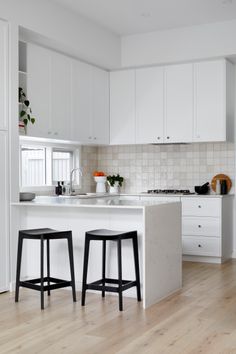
56,133
199,206
199,226
95,138
90,137
199,245
49,133
158,138
168,137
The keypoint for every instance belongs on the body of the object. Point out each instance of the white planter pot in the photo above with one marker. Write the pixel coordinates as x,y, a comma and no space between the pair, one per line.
101,184
115,189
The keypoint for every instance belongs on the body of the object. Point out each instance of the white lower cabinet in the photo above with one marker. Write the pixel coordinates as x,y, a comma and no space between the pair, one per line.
198,226
207,226
207,229
4,233
201,246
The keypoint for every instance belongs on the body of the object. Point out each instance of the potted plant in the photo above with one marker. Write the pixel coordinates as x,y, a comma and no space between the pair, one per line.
25,110
115,182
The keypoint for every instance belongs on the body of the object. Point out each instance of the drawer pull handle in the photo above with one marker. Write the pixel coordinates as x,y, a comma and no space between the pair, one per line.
199,226
199,245
199,206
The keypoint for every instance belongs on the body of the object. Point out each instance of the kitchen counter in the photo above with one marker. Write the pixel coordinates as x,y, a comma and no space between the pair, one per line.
102,202
159,236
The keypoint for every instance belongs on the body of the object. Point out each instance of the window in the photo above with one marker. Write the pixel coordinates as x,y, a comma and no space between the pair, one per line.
33,166
61,165
43,166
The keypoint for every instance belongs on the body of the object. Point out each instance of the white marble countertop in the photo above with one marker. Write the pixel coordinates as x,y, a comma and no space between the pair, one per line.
89,202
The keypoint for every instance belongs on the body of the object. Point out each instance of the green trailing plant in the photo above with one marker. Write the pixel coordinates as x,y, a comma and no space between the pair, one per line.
25,111
115,178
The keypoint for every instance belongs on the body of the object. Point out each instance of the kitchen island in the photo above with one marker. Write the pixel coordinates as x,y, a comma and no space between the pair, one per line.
159,236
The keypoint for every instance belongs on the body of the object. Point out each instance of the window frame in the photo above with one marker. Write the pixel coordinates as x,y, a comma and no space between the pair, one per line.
50,147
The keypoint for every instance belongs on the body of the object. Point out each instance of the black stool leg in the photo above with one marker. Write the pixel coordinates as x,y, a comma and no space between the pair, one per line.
48,265
136,266
103,265
85,269
42,272
119,256
72,272
18,267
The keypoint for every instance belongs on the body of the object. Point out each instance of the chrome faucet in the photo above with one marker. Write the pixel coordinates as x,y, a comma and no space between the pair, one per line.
71,190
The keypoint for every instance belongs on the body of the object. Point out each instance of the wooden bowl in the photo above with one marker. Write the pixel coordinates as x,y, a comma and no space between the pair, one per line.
221,177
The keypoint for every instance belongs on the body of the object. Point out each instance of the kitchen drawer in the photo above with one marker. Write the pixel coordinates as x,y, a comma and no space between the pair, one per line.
201,246
201,206
201,226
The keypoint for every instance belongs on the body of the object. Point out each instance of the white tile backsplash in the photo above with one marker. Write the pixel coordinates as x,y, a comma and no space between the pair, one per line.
162,166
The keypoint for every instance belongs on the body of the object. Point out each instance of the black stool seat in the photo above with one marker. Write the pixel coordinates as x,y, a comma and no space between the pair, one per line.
44,234
110,234
107,284
35,234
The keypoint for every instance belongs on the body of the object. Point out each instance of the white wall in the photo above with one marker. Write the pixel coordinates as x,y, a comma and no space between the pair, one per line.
176,45
75,35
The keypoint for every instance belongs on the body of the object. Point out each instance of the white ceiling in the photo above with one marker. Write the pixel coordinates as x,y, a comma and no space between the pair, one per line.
125,17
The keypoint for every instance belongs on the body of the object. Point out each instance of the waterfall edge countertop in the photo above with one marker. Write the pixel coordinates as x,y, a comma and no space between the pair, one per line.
159,236
105,202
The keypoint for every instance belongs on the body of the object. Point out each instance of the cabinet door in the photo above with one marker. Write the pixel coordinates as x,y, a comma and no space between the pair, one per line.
81,102
149,105
61,96
4,237
122,107
3,74
39,90
179,103
210,104
100,106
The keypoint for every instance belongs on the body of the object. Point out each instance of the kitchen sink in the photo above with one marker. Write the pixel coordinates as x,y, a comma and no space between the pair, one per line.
76,196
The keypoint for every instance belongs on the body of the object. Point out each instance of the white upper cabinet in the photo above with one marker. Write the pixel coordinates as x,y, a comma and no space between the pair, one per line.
122,107
69,99
90,104
61,96
210,101
149,105
178,103
81,102
49,91
39,90
3,75
100,127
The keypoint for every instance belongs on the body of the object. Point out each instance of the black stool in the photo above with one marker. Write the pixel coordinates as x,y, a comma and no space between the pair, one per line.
42,235
117,236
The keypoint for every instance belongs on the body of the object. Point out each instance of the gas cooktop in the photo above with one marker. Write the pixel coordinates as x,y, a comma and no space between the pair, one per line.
169,191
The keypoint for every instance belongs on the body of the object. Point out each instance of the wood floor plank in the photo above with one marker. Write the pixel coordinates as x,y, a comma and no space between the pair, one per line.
201,318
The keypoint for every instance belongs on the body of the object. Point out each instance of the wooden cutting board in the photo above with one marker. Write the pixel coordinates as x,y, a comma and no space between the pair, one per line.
220,177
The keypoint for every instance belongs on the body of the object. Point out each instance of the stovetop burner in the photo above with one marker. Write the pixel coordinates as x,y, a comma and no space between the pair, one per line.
169,191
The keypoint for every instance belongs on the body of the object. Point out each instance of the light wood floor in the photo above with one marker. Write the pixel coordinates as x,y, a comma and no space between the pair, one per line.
199,319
